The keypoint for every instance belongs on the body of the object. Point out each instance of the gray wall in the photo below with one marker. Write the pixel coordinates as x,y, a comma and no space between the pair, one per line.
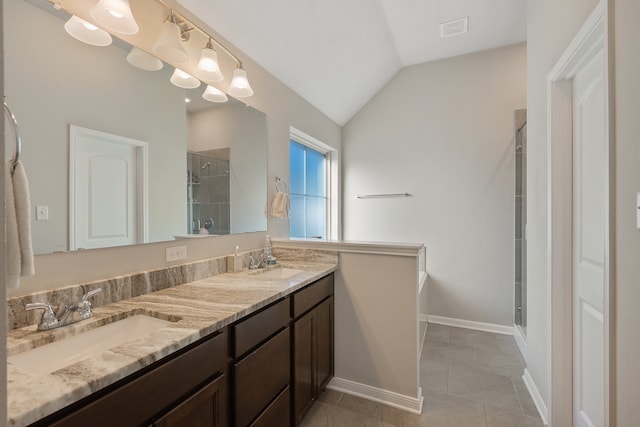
283,107
443,131
53,81
627,236
550,27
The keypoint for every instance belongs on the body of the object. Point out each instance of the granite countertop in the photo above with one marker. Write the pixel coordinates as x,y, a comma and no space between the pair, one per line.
195,310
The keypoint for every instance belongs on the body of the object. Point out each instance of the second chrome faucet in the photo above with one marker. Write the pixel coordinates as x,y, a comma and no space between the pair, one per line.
69,314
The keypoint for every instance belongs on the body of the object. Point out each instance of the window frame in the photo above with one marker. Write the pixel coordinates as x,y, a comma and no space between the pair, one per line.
331,178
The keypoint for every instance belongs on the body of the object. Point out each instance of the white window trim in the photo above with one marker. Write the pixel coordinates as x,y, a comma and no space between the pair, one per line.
332,176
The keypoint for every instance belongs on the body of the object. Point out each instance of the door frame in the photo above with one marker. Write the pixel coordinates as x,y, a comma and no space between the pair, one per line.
593,36
142,154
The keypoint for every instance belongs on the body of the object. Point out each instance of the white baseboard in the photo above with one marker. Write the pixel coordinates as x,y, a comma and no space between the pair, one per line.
536,396
386,397
470,324
520,341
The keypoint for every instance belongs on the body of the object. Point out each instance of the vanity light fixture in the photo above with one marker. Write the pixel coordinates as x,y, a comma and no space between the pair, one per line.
115,15
184,80
144,61
169,43
86,32
208,69
240,87
213,94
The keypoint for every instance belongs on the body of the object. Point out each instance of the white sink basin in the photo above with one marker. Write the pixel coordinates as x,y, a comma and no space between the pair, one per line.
66,352
279,273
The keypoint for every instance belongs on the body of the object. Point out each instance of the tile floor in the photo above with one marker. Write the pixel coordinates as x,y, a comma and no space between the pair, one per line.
469,378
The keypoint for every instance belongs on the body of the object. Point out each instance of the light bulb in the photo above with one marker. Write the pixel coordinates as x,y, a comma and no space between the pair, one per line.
115,15
184,80
240,87
86,32
213,94
208,68
168,46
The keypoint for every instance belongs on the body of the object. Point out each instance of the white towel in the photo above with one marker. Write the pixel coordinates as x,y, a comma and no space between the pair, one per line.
19,246
280,206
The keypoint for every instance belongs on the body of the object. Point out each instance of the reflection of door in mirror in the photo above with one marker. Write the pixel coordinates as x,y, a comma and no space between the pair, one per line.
208,194
108,197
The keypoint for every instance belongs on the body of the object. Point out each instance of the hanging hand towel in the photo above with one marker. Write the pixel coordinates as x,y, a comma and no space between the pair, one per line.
280,206
19,246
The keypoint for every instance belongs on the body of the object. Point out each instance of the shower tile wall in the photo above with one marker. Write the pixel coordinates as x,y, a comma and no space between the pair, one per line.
520,247
208,196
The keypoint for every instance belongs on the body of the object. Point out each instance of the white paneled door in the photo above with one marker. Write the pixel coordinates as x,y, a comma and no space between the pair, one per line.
589,251
107,190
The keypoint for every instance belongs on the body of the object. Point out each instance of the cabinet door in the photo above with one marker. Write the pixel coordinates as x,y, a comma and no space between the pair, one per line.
261,376
205,408
324,345
304,365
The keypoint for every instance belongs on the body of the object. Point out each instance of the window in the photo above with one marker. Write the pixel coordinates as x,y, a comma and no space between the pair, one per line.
309,201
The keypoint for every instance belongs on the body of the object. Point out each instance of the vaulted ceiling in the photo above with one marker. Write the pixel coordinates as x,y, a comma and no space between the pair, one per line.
337,54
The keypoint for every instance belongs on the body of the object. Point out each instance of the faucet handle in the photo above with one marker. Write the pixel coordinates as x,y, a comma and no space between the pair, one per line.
48,320
84,306
89,294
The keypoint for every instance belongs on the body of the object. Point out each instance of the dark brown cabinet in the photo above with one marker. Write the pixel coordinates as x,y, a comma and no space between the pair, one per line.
173,383
264,370
205,408
313,344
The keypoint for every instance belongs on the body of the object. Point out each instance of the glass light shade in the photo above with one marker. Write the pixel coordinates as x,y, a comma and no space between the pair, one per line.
169,43
239,86
213,94
141,59
115,15
208,68
184,80
86,32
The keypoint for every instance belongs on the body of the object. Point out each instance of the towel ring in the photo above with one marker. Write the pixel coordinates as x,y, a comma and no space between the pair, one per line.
14,124
281,186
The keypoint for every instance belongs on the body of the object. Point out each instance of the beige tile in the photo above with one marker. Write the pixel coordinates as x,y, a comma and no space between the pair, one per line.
448,353
330,397
440,410
499,418
526,402
500,363
473,339
437,332
322,415
397,417
507,344
434,376
483,387
358,405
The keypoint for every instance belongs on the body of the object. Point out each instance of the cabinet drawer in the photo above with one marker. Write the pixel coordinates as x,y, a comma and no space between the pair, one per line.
278,413
310,296
261,376
260,326
140,399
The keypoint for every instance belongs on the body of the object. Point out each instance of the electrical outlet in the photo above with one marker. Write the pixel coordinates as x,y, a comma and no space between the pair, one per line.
176,253
42,213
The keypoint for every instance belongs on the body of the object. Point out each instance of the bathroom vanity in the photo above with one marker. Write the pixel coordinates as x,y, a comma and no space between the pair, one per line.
239,349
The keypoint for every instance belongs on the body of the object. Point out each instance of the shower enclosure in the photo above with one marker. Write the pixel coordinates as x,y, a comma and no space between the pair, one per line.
520,252
208,195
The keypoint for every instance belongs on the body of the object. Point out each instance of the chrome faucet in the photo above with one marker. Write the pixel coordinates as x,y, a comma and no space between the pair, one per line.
69,314
255,263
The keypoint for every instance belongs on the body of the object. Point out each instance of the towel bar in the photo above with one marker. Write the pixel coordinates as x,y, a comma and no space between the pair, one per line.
380,196
14,123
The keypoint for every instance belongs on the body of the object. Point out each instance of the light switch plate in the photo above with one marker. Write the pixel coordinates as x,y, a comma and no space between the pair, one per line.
638,212
42,213
176,253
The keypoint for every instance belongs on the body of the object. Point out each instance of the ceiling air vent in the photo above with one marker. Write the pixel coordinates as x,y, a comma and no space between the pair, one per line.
455,27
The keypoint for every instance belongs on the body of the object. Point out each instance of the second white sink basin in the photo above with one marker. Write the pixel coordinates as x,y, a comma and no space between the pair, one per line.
279,273
66,352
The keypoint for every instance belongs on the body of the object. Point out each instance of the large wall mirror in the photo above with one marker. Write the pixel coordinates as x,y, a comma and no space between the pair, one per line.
206,163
